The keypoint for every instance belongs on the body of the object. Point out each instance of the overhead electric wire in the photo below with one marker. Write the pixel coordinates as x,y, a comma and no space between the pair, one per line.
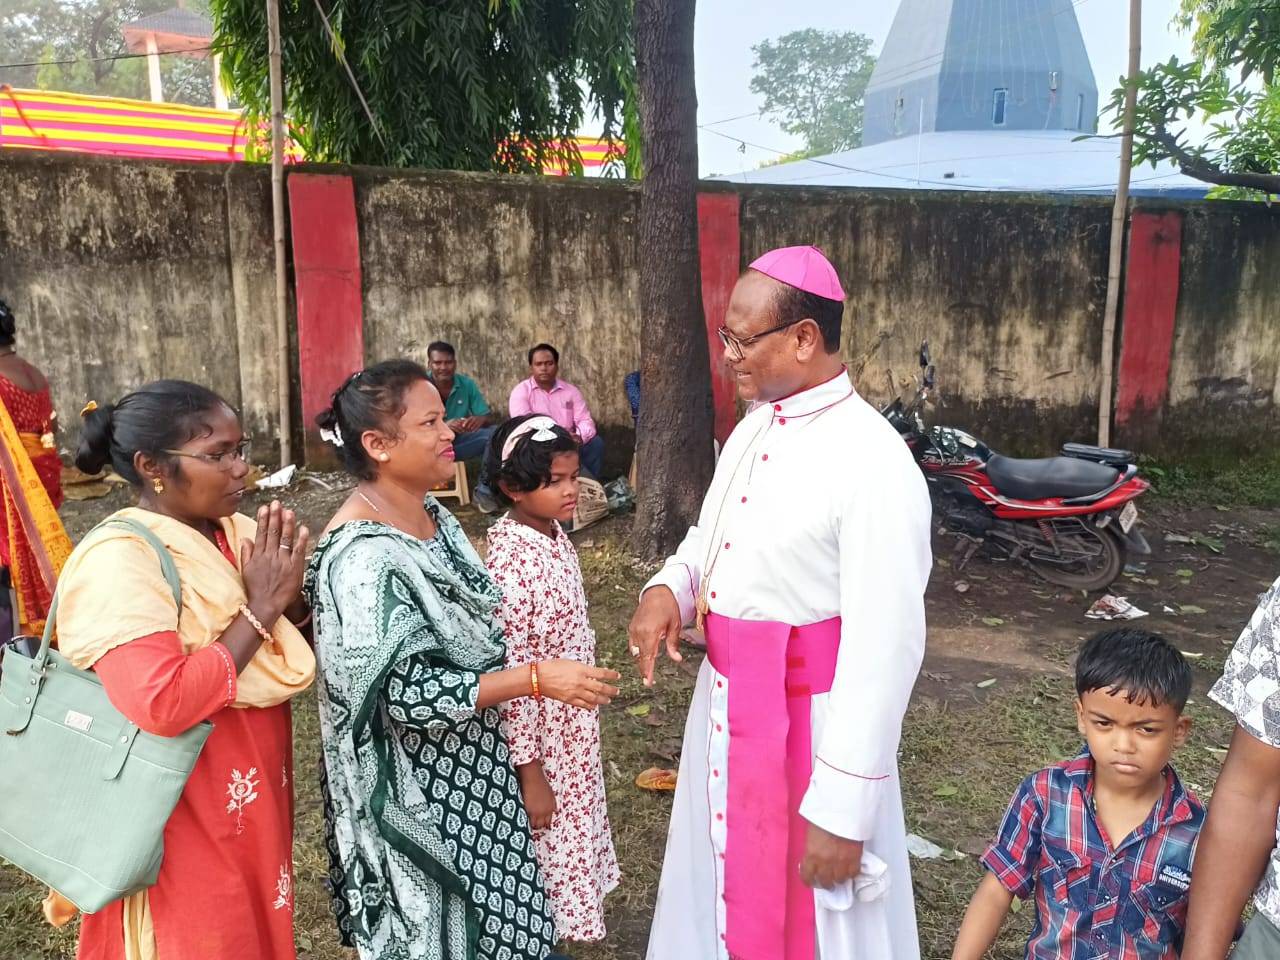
118,56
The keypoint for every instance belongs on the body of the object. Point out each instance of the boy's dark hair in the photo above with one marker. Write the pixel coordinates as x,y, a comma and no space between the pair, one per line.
1146,666
369,399
440,346
555,354
529,466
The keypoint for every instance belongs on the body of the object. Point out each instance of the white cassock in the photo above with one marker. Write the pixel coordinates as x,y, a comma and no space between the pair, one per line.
816,511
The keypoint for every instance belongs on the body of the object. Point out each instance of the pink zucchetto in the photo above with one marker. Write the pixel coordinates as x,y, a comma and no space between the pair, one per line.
804,268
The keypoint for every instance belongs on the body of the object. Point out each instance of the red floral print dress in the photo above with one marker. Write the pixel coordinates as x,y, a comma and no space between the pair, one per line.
544,616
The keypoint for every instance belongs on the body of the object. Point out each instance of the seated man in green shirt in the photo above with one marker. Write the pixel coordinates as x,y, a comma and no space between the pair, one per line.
468,416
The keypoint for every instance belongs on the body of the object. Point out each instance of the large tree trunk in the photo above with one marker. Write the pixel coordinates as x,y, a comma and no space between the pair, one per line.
676,420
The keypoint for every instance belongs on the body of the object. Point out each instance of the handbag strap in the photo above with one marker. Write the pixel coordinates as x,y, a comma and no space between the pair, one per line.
167,567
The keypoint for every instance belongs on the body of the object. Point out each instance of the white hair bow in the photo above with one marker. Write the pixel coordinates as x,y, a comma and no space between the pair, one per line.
333,436
542,429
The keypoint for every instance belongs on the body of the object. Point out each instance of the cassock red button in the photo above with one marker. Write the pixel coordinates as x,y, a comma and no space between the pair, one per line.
718,728
765,457
726,546
719,816
715,773
778,407
713,594
782,421
744,499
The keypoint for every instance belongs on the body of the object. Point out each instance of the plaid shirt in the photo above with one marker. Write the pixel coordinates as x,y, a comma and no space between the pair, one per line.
1093,902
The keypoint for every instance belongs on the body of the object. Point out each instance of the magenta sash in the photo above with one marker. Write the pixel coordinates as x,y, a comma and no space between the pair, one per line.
773,670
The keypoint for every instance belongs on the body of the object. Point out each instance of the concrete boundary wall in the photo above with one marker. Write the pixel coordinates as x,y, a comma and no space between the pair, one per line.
123,271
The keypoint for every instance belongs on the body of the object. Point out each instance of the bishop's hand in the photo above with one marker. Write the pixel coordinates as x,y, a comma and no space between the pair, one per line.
656,621
829,860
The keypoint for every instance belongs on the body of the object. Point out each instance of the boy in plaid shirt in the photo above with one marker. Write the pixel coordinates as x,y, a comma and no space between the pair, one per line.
1104,841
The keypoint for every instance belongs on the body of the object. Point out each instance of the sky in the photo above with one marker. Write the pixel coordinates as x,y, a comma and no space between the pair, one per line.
727,29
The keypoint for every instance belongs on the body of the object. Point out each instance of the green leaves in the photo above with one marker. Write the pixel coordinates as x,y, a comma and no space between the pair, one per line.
500,85
1217,116
89,32
813,82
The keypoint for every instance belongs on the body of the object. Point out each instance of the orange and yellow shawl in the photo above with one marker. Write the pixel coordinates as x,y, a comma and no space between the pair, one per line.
38,543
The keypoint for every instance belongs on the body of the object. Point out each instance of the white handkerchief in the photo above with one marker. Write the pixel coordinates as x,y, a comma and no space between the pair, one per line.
871,883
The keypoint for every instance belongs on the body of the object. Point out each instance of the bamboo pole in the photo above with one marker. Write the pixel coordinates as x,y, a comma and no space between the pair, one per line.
1118,217
277,212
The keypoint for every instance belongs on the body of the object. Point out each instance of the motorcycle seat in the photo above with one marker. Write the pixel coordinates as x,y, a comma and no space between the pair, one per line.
1053,477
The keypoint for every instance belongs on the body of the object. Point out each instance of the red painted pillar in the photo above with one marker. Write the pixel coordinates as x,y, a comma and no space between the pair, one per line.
1152,272
720,256
326,266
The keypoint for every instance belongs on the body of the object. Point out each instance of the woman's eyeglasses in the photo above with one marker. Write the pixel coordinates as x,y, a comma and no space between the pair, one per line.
223,461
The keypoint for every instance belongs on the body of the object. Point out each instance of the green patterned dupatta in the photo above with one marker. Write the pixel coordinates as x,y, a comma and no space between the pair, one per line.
431,857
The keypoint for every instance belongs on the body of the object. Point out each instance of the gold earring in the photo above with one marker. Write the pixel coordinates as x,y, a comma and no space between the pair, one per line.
157,485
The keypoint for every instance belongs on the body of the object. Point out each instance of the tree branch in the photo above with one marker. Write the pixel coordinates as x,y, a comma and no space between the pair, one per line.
101,66
1202,169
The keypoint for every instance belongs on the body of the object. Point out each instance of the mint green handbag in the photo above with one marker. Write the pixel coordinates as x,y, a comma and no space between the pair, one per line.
86,793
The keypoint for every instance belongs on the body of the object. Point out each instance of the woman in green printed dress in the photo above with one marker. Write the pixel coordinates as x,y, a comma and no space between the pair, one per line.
431,856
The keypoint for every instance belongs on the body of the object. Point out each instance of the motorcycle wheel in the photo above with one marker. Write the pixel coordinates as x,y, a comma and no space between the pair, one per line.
1097,573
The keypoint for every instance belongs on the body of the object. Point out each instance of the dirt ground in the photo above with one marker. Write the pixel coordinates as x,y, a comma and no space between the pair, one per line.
993,703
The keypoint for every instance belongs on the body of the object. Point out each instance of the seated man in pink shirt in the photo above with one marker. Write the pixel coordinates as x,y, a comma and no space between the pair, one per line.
545,393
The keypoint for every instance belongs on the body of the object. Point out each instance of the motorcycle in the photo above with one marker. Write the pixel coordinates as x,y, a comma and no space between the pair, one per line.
1071,519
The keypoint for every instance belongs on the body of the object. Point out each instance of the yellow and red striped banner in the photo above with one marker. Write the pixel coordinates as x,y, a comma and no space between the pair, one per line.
596,155
52,120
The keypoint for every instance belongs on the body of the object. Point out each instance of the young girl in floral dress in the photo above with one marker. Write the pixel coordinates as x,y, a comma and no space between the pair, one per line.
532,466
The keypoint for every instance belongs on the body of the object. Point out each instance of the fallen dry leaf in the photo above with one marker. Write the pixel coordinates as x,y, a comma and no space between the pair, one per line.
657,779
77,485
86,490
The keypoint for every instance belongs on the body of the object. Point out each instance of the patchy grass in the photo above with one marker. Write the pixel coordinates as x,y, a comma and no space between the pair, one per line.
1252,481
1269,538
960,765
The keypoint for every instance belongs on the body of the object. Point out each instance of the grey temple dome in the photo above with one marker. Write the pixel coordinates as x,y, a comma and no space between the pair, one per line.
981,65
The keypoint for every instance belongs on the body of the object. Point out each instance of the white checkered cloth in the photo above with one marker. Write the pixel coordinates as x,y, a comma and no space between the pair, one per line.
1250,689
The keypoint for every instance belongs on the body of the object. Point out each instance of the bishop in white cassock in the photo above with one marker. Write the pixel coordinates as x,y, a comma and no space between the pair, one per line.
807,568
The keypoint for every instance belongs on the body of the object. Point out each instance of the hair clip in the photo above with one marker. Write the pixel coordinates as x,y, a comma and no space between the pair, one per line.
542,429
333,436
89,407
